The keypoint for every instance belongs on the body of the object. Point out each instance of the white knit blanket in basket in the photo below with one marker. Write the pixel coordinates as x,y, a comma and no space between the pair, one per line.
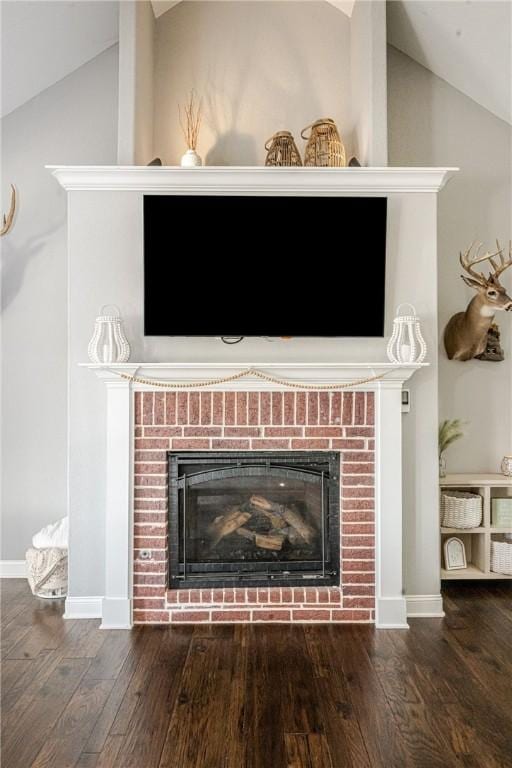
47,569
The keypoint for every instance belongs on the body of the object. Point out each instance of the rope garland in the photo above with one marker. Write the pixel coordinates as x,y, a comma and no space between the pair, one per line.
242,374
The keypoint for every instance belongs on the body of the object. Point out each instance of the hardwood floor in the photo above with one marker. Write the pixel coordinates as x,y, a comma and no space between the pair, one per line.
436,696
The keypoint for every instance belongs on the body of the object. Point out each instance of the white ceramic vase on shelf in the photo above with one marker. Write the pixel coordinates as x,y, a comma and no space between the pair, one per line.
191,159
109,343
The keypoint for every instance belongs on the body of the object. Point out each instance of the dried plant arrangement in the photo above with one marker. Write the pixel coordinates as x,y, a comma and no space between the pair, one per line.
190,120
449,431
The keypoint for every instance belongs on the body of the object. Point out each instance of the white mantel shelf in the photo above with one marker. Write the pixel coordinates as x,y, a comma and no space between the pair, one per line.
251,179
308,374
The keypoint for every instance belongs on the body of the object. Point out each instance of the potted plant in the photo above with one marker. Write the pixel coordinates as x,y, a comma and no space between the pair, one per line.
450,430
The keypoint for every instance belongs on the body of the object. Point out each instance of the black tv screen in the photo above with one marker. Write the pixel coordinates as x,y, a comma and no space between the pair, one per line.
264,266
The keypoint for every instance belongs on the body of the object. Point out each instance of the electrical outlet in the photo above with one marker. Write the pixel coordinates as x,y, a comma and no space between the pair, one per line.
145,554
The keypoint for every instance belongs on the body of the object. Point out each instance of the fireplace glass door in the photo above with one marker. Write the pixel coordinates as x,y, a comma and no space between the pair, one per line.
260,519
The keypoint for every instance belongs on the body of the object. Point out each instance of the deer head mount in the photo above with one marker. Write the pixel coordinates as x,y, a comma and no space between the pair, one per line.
7,220
465,336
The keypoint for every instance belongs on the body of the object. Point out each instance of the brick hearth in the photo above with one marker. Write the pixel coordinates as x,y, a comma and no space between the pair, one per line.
254,421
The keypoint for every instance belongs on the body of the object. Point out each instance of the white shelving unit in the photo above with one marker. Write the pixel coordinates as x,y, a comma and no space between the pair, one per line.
477,541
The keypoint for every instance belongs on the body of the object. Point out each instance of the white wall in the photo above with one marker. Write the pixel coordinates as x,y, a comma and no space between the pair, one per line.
144,88
43,42
136,70
259,67
73,122
431,123
368,79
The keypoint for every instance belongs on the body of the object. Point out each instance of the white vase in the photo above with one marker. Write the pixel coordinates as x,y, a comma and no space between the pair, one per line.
191,159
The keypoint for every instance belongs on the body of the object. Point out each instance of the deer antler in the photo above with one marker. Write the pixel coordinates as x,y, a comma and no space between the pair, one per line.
504,263
8,220
468,263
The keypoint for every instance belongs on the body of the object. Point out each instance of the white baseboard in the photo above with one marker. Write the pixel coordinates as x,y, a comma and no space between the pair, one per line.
424,606
84,607
391,613
13,569
116,613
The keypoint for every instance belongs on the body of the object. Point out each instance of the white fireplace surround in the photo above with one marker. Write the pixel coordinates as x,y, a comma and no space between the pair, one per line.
105,240
390,606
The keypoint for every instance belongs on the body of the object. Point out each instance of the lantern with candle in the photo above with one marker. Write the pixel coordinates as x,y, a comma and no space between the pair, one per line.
406,344
109,344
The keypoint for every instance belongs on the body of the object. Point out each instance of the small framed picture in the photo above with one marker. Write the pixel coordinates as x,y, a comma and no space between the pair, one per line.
454,554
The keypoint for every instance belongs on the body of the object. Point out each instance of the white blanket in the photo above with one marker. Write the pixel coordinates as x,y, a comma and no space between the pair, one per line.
53,535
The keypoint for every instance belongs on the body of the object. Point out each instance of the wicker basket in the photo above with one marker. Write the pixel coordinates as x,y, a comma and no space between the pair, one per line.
282,150
47,571
461,509
324,147
501,557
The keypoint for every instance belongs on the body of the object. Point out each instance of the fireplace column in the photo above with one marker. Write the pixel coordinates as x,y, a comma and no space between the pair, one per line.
117,601
390,603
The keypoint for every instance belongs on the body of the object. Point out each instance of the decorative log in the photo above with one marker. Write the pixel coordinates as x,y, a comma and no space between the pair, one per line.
227,524
246,533
261,502
269,509
293,536
272,540
291,516
294,519
268,541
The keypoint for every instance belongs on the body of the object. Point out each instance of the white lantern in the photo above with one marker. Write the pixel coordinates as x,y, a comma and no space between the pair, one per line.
406,344
109,344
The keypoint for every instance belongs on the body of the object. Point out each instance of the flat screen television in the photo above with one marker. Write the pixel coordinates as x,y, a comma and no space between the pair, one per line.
264,266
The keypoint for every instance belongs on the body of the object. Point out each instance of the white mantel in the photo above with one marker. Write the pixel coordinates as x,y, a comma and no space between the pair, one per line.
308,374
251,180
391,608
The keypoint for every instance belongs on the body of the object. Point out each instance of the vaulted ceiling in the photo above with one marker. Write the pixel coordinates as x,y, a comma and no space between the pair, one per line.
162,6
465,42
42,42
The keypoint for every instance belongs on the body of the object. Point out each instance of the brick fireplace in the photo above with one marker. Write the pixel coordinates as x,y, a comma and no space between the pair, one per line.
356,417
254,421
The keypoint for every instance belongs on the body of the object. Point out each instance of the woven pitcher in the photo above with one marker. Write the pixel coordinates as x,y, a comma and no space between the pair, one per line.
282,150
325,147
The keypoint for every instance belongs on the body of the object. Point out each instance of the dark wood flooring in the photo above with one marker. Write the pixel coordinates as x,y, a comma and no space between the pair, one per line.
436,696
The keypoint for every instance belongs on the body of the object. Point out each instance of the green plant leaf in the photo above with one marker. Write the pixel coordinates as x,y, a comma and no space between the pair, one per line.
450,430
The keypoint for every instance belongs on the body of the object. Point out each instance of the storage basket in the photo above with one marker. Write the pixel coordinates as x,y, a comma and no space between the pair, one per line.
47,571
461,509
501,557
501,512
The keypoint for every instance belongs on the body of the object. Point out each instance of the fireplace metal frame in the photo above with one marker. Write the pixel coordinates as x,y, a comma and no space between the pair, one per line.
300,573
